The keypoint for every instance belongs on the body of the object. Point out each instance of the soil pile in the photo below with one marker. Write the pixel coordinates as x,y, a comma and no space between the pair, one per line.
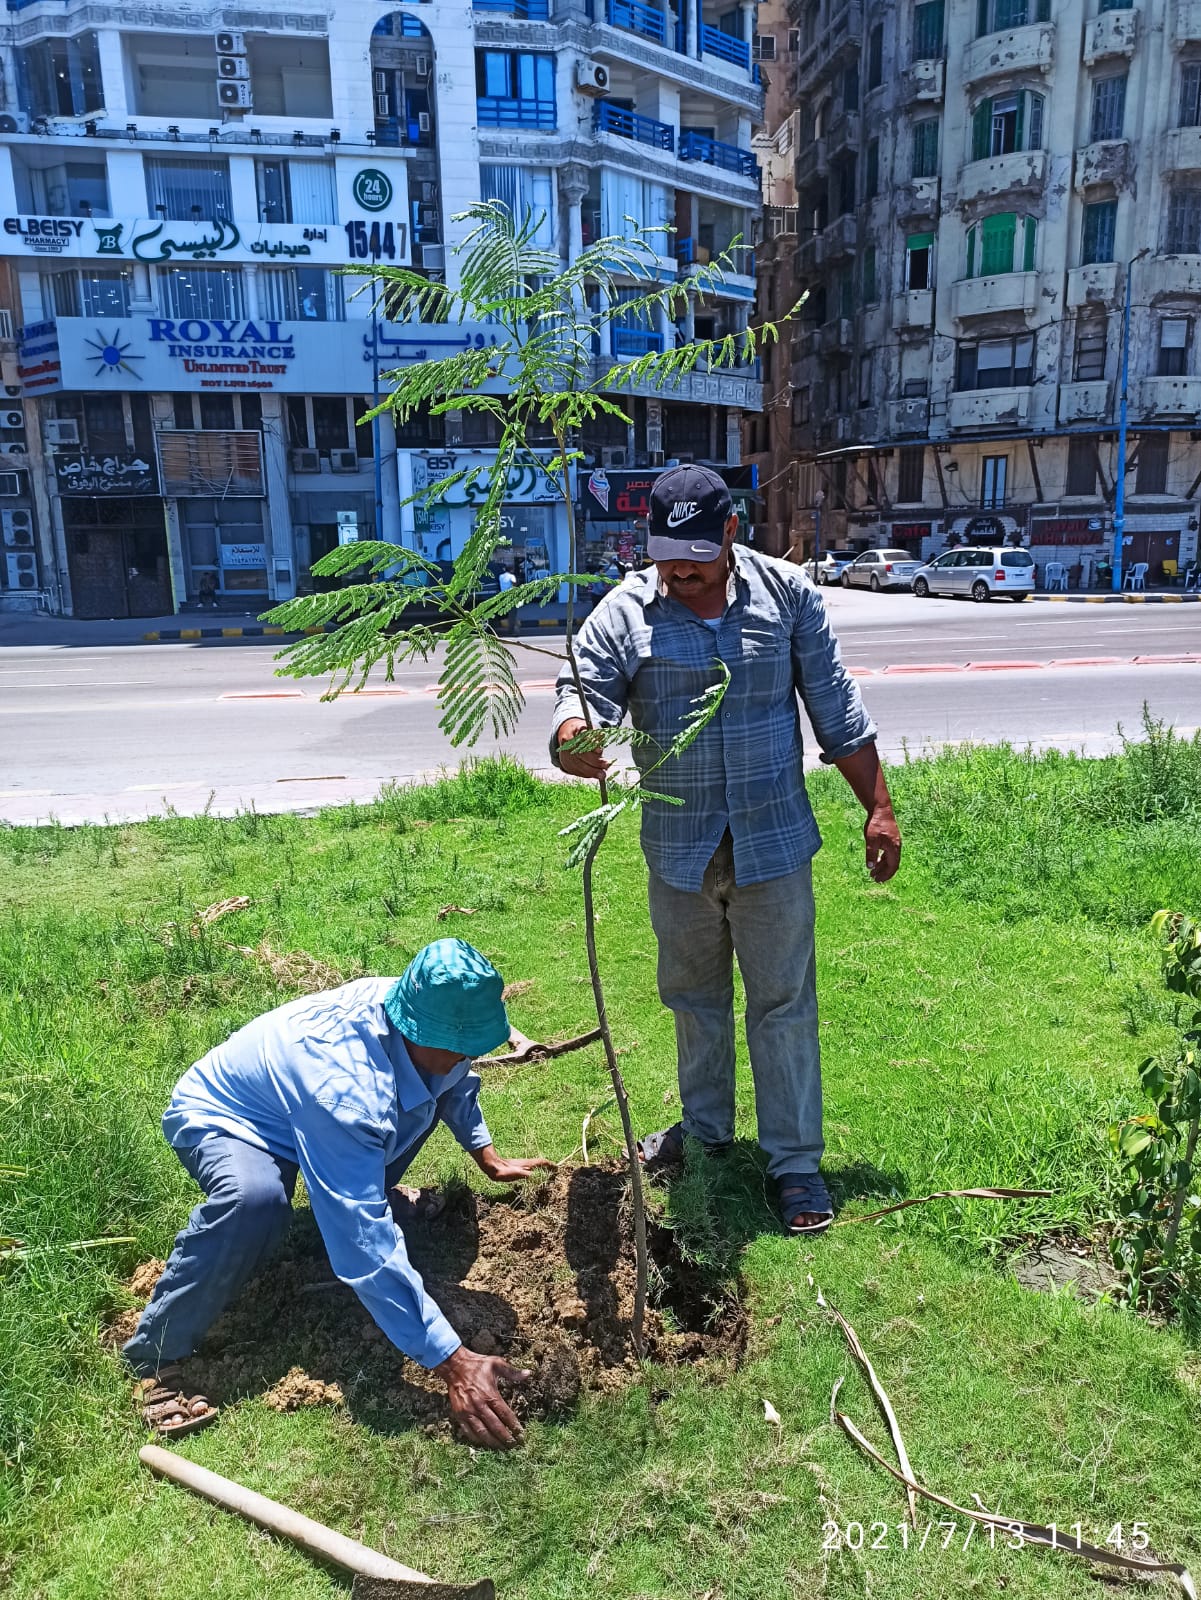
543,1276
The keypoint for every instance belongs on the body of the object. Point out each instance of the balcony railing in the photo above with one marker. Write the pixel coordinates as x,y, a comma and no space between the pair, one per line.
699,147
635,341
637,18
523,10
724,46
497,111
610,118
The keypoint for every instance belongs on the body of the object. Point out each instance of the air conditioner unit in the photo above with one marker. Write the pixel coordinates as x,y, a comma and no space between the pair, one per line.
231,44
14,122
17,529
429,192
422,66
233,93
306,461
654,438
383,106
12,419
22,570
343,461
13,391
380,82
424,122
427,216
842,428
13,448
233,67
433,256
14,483
613,458
61,430
591,77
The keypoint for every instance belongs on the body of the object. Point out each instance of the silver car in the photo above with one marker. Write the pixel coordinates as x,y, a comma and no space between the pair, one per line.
880,569
831,566
980,573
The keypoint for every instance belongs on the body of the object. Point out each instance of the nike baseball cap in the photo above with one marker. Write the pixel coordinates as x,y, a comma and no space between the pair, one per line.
690,507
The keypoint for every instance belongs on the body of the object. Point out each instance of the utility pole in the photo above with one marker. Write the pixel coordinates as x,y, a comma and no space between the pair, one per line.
819,500
1119,497
375,427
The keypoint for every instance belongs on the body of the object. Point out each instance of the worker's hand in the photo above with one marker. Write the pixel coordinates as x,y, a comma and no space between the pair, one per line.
476,1405
883,839
580,763
501,1170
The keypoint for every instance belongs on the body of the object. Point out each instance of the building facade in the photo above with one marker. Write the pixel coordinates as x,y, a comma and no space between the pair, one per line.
186,370
973,178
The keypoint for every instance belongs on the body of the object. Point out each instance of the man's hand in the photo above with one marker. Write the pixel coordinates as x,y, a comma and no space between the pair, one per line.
476,1405
500,1170
580,763
883,839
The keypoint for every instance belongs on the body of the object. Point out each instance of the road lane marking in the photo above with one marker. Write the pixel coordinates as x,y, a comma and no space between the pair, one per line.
263,694
161,788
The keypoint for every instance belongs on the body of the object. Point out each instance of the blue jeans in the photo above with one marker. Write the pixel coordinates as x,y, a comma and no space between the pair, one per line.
769,927
229,1238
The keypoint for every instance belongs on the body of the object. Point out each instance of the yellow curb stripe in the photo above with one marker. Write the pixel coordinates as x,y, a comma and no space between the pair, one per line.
150,638
231,633
189,633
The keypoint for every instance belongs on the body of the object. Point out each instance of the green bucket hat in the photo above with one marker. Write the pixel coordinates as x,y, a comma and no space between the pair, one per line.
450,999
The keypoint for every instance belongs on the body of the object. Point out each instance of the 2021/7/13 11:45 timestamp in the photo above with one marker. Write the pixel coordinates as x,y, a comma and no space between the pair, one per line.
1125,1538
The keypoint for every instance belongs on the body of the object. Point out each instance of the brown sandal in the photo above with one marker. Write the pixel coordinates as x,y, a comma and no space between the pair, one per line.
169,1409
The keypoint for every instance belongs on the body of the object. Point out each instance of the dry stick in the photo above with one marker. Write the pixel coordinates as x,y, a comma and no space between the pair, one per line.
587,1123
532,1050
1182,1187
1027,1532
951,1194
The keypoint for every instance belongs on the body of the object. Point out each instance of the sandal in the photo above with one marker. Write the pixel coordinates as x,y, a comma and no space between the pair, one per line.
805,1194
415,1205
169,1409
666,1149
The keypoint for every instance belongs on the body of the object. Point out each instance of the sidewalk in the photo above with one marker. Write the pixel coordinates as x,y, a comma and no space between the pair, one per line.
1127,597
36,628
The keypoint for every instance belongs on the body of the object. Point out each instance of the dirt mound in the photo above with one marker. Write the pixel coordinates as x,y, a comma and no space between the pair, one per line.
542,1276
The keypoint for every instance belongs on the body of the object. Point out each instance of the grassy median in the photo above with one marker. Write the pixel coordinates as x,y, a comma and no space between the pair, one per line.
983,1017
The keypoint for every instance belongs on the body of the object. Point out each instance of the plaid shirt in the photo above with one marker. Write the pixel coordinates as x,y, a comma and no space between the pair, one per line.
643,652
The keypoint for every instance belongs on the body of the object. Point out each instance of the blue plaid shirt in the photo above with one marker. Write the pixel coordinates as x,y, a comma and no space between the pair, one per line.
643,652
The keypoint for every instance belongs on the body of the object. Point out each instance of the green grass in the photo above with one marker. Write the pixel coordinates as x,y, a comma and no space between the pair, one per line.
982,1019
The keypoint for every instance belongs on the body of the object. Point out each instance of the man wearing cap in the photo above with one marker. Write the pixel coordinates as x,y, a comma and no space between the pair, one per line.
730,867
344,1087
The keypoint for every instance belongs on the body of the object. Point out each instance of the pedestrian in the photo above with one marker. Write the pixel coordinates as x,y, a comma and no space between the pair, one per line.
206,591
344,1087
508,622
730,867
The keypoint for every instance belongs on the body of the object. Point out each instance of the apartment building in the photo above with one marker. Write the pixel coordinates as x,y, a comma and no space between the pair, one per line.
973,178
186,370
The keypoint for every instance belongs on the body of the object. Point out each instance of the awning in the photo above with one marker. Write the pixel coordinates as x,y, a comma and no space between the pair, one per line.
1109,430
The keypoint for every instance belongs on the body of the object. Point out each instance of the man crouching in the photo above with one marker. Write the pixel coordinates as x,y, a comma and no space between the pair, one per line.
344,1087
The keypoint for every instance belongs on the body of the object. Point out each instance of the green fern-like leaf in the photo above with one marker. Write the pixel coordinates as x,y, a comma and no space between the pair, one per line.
478,687
589,830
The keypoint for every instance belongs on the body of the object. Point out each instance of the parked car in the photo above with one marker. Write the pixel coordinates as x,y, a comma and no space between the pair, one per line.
981,573
880,569
830,567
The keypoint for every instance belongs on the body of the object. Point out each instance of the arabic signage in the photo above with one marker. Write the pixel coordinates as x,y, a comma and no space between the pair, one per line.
80,473
1067,530
155,242
526,483
38,363
615,496
242,555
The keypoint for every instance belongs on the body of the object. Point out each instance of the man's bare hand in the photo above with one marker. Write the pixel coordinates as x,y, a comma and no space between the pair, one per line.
580,763
883,839
503,1170
477,1407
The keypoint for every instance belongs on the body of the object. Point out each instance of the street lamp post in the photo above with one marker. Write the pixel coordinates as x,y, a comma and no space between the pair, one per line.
819,500
1119,497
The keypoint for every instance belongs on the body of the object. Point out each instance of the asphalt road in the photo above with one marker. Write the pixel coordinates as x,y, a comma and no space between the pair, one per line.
114,730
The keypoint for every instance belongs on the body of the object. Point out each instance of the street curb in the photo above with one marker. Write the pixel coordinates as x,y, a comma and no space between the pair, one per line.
189,635
1127,599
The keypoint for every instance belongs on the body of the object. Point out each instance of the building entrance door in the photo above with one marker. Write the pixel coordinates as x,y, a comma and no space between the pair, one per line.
1154,549
117,557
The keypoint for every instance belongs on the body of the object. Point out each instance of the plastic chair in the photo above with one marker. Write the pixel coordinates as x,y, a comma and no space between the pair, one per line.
1055,576
1171,571
1136,576
1191,578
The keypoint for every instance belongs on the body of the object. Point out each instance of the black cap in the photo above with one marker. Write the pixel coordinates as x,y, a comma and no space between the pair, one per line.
690,507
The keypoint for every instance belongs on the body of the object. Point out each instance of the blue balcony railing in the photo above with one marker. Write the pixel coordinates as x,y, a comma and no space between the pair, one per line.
609,118
724,46
637,18
497,111
635,341
523,10
699,147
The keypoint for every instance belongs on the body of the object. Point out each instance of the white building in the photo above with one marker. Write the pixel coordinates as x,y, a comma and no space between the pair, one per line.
184,369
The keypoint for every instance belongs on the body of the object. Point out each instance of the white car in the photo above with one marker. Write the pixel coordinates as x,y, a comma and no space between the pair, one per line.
880,569
831,566
982,573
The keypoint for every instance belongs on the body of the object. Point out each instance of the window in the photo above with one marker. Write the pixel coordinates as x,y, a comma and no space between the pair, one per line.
1173,347
919,261
1100,226
515,89
928,30
996,363
846,293
871,170
850,87
763,47
216,411
60,294
65,189
1152,474
875,57
994,471
1082,467
1002,124
290,76
865,380
203,292
1089,356
106,294
60,77
999,244
295,191
185,191
845,180
526,191
1184,222
994,16
911,474
800,407
925,148
1190,94
171,74
302,294
331,422
870,290
1109,107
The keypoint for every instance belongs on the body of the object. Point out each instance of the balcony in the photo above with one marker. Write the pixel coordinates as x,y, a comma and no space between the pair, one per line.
1019,50
1019,175
1170,275
924,81
628,342
776,222
1083,402
1107,162
495,111
699,147
910,417
1188,24
986,297
843,36
913,311
989,408
609,118
1182,150
917,200
839,240
724,46
1170,397
521,10
811,163
733,387
837,335
1094,285
1112,34
634,17
842,132
806,257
